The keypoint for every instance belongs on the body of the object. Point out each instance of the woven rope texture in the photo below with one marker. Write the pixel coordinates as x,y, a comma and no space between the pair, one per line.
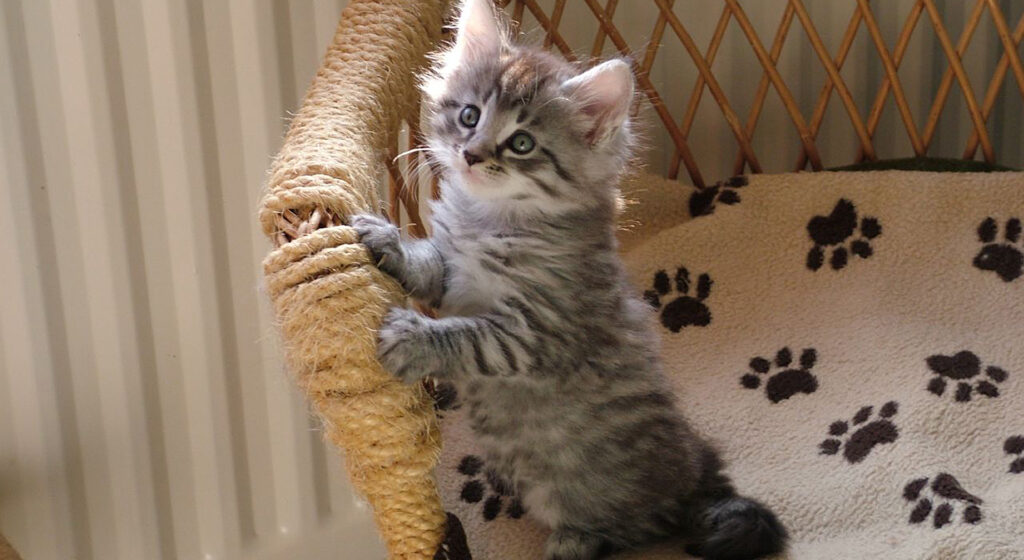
328,296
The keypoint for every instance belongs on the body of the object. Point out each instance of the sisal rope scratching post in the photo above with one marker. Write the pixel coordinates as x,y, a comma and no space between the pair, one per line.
328,296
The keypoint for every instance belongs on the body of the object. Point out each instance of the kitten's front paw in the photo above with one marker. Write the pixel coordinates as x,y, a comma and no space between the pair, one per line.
402,346
382,239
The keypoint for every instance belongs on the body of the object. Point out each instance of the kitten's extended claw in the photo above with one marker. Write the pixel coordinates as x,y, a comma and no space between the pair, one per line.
402,346
382,239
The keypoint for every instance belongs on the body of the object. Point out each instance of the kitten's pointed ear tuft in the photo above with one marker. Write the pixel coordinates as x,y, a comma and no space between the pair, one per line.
605,93
480,37
478,33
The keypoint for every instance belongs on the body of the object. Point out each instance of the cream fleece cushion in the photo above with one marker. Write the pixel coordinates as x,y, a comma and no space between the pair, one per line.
875,401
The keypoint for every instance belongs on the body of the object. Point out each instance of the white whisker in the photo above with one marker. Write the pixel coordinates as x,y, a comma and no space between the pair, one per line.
412,151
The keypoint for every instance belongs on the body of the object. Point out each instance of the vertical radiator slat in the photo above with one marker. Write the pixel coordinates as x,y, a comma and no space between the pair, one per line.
256,122
175,189
182,350
65,132
102,161
201,315
37,502
35,496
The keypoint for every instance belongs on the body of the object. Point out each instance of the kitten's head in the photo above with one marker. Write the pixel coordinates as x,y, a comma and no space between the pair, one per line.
521,128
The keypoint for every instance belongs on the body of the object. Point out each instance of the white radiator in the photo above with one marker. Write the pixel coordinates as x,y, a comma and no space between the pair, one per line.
144,412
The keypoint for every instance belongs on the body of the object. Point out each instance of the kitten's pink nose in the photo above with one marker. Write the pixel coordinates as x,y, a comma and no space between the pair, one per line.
471,158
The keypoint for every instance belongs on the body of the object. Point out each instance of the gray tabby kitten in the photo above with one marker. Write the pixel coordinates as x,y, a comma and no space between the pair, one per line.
552,351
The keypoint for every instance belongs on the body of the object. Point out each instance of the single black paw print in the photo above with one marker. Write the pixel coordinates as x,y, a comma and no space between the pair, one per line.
1004,259
945,490
702,202
865,436
787,381
496,489
965,369
1014,445
834,230
685,310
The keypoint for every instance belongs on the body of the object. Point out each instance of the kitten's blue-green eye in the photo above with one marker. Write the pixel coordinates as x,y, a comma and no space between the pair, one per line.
521,143
469,116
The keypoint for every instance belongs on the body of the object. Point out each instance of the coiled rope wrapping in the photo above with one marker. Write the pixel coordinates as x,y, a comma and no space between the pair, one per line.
328,296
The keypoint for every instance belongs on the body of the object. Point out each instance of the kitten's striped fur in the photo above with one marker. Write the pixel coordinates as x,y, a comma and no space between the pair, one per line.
552,351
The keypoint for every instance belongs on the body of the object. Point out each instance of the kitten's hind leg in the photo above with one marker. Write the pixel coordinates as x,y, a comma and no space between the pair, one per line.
572,544
738,528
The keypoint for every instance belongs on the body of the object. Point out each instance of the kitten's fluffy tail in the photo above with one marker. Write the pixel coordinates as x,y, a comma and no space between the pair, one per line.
738,528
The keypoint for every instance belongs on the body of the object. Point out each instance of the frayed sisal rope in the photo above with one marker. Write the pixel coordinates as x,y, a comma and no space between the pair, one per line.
328,296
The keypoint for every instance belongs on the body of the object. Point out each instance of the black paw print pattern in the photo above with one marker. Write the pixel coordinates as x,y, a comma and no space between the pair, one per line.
1014,445
832,232
964,368
1005,259
865,436
946,494
786,381
684,310
702,202
498,492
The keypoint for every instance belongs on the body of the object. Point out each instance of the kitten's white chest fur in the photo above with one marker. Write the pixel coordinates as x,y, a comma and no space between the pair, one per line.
472,287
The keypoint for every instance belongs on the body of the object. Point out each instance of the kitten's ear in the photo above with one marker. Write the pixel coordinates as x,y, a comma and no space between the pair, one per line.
478,36
604,92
